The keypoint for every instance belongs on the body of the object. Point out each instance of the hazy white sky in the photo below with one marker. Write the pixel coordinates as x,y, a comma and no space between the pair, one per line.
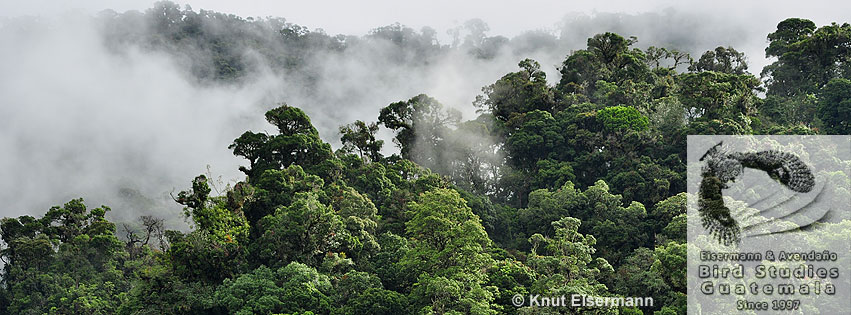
504,17
507,18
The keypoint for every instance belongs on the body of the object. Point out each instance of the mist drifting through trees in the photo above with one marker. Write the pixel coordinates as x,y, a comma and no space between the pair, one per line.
110,107
391,172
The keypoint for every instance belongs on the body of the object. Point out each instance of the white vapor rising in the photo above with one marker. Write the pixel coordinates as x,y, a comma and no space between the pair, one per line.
80,121
124,127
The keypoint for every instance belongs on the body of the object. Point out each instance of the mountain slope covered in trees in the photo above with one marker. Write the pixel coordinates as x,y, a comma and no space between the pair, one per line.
573,187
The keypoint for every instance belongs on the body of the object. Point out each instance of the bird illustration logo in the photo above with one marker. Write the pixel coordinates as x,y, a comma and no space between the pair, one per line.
723,168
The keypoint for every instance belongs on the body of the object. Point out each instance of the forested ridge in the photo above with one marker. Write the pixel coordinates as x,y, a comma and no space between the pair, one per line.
576,187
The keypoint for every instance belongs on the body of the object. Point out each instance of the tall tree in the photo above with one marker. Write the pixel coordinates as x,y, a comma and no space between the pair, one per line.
517,92
725,60
807,57
448,254
420,123
297,142
360,137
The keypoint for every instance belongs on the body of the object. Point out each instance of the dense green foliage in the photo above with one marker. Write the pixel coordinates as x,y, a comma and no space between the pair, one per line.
579,189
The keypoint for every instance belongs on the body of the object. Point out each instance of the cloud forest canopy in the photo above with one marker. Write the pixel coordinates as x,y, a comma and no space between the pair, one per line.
578,188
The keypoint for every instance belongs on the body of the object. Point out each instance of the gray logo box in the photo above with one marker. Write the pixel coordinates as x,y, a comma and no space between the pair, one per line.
769,224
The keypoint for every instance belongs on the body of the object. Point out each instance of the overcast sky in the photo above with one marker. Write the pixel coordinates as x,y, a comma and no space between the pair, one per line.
507,18
504,17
